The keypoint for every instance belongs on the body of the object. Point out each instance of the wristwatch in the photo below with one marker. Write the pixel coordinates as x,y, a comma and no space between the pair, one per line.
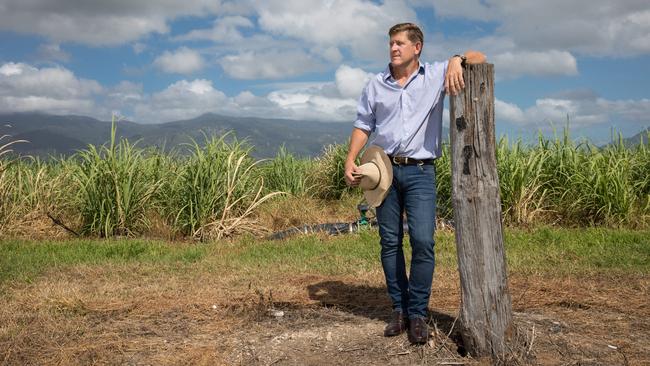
463,60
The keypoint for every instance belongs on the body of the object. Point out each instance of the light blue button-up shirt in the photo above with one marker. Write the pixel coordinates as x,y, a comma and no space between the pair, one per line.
407,120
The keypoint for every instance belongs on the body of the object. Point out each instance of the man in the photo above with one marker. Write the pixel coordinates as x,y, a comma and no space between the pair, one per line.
403,105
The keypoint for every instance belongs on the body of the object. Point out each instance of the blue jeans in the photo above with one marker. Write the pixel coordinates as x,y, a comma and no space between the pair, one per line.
413,191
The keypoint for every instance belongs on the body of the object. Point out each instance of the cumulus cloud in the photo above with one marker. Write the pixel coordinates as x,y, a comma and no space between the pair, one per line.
547,63
270,64
591,27
226,29
305,105
124,94
357,25
181,61
351,81
510,60
583,110
331,101
53,90
101,22
509,112
330,54
286,39
547,35
57,90
181,100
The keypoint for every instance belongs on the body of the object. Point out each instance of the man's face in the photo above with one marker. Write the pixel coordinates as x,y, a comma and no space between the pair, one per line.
402,50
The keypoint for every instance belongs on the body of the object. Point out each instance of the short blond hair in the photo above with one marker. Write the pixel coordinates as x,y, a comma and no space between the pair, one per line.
413,32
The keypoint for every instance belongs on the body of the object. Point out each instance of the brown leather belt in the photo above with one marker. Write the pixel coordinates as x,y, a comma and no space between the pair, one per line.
403,160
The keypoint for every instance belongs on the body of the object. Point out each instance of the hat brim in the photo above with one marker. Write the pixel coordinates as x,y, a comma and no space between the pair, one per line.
375,154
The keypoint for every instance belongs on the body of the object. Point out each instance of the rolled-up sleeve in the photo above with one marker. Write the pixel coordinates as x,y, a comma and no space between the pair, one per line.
365,115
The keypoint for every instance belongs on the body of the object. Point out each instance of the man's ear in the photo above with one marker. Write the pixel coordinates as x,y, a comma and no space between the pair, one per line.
418,48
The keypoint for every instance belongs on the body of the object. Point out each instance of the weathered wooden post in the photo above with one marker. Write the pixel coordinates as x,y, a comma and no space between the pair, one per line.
486,310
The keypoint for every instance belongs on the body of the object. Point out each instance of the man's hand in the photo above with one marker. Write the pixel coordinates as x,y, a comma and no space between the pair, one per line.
358,139
352,174
454,82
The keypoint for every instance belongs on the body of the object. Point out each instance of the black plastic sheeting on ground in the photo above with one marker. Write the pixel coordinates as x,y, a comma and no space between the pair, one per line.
329,228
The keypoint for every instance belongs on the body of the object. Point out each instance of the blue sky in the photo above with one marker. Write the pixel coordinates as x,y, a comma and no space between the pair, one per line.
162,60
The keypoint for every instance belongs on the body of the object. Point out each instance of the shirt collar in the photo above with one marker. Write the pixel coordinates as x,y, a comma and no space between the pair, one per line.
389,75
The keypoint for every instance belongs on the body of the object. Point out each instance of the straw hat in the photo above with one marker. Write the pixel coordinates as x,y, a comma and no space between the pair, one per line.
377,175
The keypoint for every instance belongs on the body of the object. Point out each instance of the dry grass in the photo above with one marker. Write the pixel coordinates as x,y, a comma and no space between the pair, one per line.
210,314
282,214
36,225
269,216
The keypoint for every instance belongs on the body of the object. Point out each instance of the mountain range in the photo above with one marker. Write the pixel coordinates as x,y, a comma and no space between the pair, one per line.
638,138
53,135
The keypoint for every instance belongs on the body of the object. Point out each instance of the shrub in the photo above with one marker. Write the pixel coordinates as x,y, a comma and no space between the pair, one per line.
328,173
286,173
216,190
116,184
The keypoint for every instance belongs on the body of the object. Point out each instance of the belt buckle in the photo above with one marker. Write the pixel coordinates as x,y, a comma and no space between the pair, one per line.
395,160
420,162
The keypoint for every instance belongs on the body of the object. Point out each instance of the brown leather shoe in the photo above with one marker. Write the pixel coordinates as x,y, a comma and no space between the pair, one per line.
396,326
418,331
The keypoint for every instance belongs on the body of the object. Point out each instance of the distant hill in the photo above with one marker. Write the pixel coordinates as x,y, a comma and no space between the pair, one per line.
636,139
63,135
52,135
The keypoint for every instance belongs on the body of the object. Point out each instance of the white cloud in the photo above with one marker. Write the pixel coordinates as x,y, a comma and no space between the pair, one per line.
224,29
57,90
335,100
509,112
351,81
100,22
360,26
510,60
11,69
600,27
582,111
547,63
591,27
123,94
270,64
181,100
330,54
313,106
54,90
181,61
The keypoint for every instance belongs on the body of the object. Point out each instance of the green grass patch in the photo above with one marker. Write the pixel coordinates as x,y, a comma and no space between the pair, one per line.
23,260
542,250
557,250
344,254
552,251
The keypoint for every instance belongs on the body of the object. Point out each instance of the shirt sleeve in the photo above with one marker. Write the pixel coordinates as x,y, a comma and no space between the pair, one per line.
445,65
365,116
439,71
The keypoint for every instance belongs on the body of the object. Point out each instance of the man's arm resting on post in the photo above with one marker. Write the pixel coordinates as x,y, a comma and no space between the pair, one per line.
454,82
358,140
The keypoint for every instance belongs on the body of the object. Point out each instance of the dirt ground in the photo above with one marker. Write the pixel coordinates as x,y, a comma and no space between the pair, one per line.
138,316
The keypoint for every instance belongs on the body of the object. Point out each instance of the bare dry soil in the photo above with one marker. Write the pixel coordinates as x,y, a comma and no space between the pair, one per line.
137,315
